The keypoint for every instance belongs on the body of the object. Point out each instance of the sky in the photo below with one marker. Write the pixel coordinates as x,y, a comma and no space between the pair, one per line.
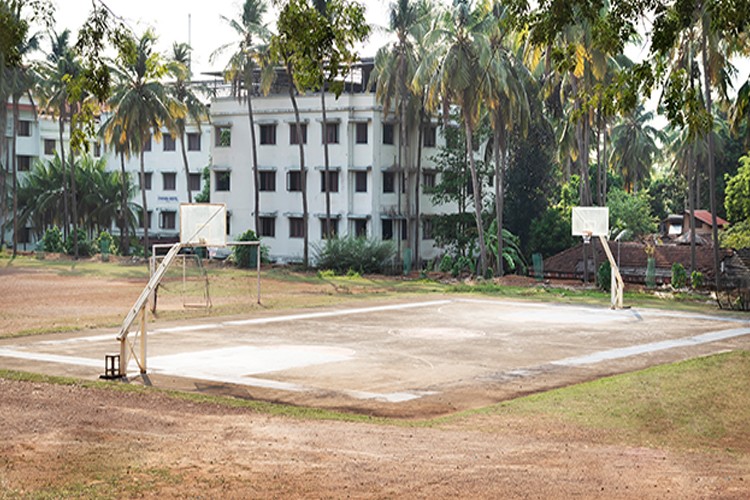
196,20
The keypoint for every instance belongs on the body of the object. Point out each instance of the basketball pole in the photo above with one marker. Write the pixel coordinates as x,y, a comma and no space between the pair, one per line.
617,286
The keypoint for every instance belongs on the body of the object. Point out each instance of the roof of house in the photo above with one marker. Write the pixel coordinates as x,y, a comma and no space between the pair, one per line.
705,217
633,258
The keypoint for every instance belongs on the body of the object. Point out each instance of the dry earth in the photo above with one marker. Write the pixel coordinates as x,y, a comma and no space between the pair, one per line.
58,440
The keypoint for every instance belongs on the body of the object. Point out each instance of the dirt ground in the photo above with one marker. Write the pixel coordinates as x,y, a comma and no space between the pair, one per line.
72,441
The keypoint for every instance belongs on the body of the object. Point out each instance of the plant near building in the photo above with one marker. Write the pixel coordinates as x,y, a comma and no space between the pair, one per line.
604,276
361,255
679,276
52,241
244,255
696,279
83,243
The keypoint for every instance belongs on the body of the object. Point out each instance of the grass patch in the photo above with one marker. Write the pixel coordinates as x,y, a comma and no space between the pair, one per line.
699,403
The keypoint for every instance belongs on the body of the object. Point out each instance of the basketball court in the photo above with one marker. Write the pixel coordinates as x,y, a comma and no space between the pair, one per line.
414,358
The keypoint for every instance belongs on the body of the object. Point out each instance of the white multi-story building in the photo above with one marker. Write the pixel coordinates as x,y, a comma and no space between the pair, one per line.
370,195
166,181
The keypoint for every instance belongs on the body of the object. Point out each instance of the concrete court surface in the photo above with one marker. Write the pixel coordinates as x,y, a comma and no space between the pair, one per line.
416,358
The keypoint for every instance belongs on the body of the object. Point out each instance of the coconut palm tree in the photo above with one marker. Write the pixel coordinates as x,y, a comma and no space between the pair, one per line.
142,106
60,65
395,66
635,146
504,92
453,73
182,93
252,35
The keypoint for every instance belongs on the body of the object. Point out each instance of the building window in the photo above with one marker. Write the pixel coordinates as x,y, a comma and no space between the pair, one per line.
223,181
331,135
388,182
429,136
169,181
333,184
194,141
427,229
194,181
428,180
387,229
360,228
268,227
24,163
268,181
294,180
49,147
223,136
296,227
293,133
388,133
24,128
167,220
24,236
361,133
324,232
360,182
228,220
147,181
147,145
169,143
148,218
404,230
268,134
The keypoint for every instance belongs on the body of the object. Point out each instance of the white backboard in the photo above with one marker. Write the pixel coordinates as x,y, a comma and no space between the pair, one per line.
590,221
203,224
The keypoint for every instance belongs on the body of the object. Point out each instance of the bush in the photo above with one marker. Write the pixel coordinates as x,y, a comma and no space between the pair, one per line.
679,275
604,276
84,245
361,255
52,241
696,279
446,264
105,240
244,255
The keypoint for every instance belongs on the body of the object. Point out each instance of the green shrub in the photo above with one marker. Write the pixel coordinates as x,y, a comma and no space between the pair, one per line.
244,255
696,279
679,275
360,255
105,241
446,264
604,276
84,244
52,241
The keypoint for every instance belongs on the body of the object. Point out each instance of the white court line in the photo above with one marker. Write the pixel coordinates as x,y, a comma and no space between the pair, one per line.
624,352
51,358
328,314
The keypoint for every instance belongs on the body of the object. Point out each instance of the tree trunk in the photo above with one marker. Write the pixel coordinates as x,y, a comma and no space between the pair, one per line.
327,174
711,166
144,205
477,196
498,198
256,174
66,210
73,196
691,204
3,173
124,236
187,166
606,165
14,161
417,207
302,172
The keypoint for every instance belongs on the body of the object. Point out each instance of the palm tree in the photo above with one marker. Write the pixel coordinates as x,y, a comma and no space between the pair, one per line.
182,93
454,73
635,146
60,65
395,66
508,103
252,35
141,105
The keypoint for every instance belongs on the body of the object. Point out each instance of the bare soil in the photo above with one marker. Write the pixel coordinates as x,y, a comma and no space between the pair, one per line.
72,441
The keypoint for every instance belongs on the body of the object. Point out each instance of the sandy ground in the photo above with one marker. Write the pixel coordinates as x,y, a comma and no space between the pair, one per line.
75,441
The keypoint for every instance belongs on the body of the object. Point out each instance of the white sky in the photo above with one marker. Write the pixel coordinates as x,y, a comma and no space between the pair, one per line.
169,19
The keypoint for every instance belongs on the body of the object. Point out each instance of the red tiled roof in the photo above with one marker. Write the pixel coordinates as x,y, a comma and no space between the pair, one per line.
705,217
633,260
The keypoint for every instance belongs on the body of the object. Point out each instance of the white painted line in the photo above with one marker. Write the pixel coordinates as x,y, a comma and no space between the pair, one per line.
329,314
187,328
51,358
624,352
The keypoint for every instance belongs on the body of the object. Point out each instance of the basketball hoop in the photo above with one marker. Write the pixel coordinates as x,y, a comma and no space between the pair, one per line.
586,237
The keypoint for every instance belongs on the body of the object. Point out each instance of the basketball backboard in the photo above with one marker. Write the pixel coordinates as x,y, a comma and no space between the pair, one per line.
203,224
590,221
